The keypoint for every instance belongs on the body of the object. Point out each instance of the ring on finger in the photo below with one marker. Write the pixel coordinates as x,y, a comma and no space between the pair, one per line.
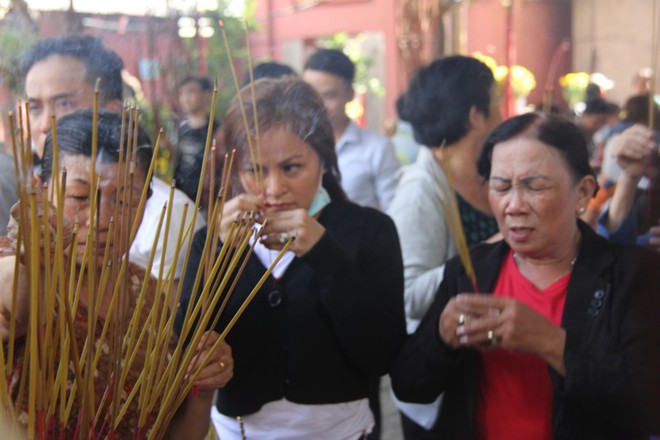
284,237
462,319
491,337
222,365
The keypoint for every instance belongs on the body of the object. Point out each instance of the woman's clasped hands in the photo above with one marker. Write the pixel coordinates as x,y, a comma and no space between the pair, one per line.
280,223
484,322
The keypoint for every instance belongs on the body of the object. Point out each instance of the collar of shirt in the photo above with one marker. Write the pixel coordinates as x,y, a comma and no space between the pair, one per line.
350,136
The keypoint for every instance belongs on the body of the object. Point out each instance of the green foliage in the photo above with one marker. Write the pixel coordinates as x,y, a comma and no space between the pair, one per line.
217,57
13,42
352,47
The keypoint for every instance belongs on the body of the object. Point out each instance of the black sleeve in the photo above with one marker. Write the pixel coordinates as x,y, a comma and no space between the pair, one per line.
188,279
364,295
426,366
614,369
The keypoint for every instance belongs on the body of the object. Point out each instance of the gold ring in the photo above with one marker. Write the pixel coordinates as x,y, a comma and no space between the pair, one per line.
462,319
222,365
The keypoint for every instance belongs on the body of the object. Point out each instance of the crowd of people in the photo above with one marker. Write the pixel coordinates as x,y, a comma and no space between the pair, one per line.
550,331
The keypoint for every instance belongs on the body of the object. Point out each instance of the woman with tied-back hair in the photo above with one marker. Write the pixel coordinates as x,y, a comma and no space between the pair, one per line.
331,313
564,340
74,136
452,106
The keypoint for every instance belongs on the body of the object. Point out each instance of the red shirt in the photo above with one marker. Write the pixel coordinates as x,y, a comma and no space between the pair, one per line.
515,398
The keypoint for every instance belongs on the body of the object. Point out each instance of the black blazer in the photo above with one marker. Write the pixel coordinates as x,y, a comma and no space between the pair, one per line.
334,319
612,354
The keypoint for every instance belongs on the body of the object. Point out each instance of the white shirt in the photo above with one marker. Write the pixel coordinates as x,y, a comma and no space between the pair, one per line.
368,164
146,233
285,420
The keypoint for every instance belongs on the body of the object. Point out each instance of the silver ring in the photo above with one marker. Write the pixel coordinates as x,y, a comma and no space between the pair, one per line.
284,237
491,336
462,319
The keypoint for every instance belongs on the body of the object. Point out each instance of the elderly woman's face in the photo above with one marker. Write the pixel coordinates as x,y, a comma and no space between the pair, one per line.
78,196
534,197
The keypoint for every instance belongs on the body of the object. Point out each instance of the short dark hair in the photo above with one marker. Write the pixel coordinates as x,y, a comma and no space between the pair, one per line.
553,130
99,61
401,108
269,69
440,96
332,61
205,83
637,109
596,106
293,105
74,137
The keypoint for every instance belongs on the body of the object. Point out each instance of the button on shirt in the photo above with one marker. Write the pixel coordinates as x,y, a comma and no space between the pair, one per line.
367,163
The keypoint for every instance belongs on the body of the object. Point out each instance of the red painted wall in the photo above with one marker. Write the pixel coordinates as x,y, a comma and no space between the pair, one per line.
538,29
285,20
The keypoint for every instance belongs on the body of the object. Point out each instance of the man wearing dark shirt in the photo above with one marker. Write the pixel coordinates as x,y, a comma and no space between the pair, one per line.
194,99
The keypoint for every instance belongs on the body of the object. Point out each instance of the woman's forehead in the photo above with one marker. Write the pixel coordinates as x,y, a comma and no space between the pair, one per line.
78,168
528,154
276,144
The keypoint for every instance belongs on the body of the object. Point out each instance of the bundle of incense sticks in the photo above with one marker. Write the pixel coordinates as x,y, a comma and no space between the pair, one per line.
449,203
655,46
56,284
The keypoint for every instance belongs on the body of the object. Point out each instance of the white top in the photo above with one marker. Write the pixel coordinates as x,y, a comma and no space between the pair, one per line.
368,165
146,233
426,246
285,420
425,241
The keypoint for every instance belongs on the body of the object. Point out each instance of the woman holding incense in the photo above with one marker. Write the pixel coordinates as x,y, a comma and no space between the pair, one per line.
452,105
124,302
331,313
563,341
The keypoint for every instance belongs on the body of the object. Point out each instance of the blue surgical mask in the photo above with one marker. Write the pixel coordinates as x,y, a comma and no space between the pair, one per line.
321,199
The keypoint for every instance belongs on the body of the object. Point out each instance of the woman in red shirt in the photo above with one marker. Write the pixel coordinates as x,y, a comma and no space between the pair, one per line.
565,345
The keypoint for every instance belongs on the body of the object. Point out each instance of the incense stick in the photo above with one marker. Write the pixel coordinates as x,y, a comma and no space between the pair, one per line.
452,216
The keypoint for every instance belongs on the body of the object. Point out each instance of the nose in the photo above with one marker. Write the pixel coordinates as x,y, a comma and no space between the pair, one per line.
43,121
39,127
516,202
274,185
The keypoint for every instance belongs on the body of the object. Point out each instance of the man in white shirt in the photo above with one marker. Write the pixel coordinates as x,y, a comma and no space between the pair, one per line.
367,160
60,76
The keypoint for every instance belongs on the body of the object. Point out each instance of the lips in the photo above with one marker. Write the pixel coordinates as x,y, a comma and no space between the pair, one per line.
520,233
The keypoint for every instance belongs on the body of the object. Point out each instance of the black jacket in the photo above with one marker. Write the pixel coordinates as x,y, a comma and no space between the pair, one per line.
335,318
612,322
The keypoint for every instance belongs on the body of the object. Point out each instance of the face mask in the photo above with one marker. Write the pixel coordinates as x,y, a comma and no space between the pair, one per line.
321,199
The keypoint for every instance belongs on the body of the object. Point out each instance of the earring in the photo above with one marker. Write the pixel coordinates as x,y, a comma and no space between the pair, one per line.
581,210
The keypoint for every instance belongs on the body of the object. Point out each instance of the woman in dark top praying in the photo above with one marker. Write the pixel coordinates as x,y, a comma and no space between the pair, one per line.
566,342
331,313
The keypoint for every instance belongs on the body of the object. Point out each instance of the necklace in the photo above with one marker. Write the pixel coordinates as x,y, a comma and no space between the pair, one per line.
515,259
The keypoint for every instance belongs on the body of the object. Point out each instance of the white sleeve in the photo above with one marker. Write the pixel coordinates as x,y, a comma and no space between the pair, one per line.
425,243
